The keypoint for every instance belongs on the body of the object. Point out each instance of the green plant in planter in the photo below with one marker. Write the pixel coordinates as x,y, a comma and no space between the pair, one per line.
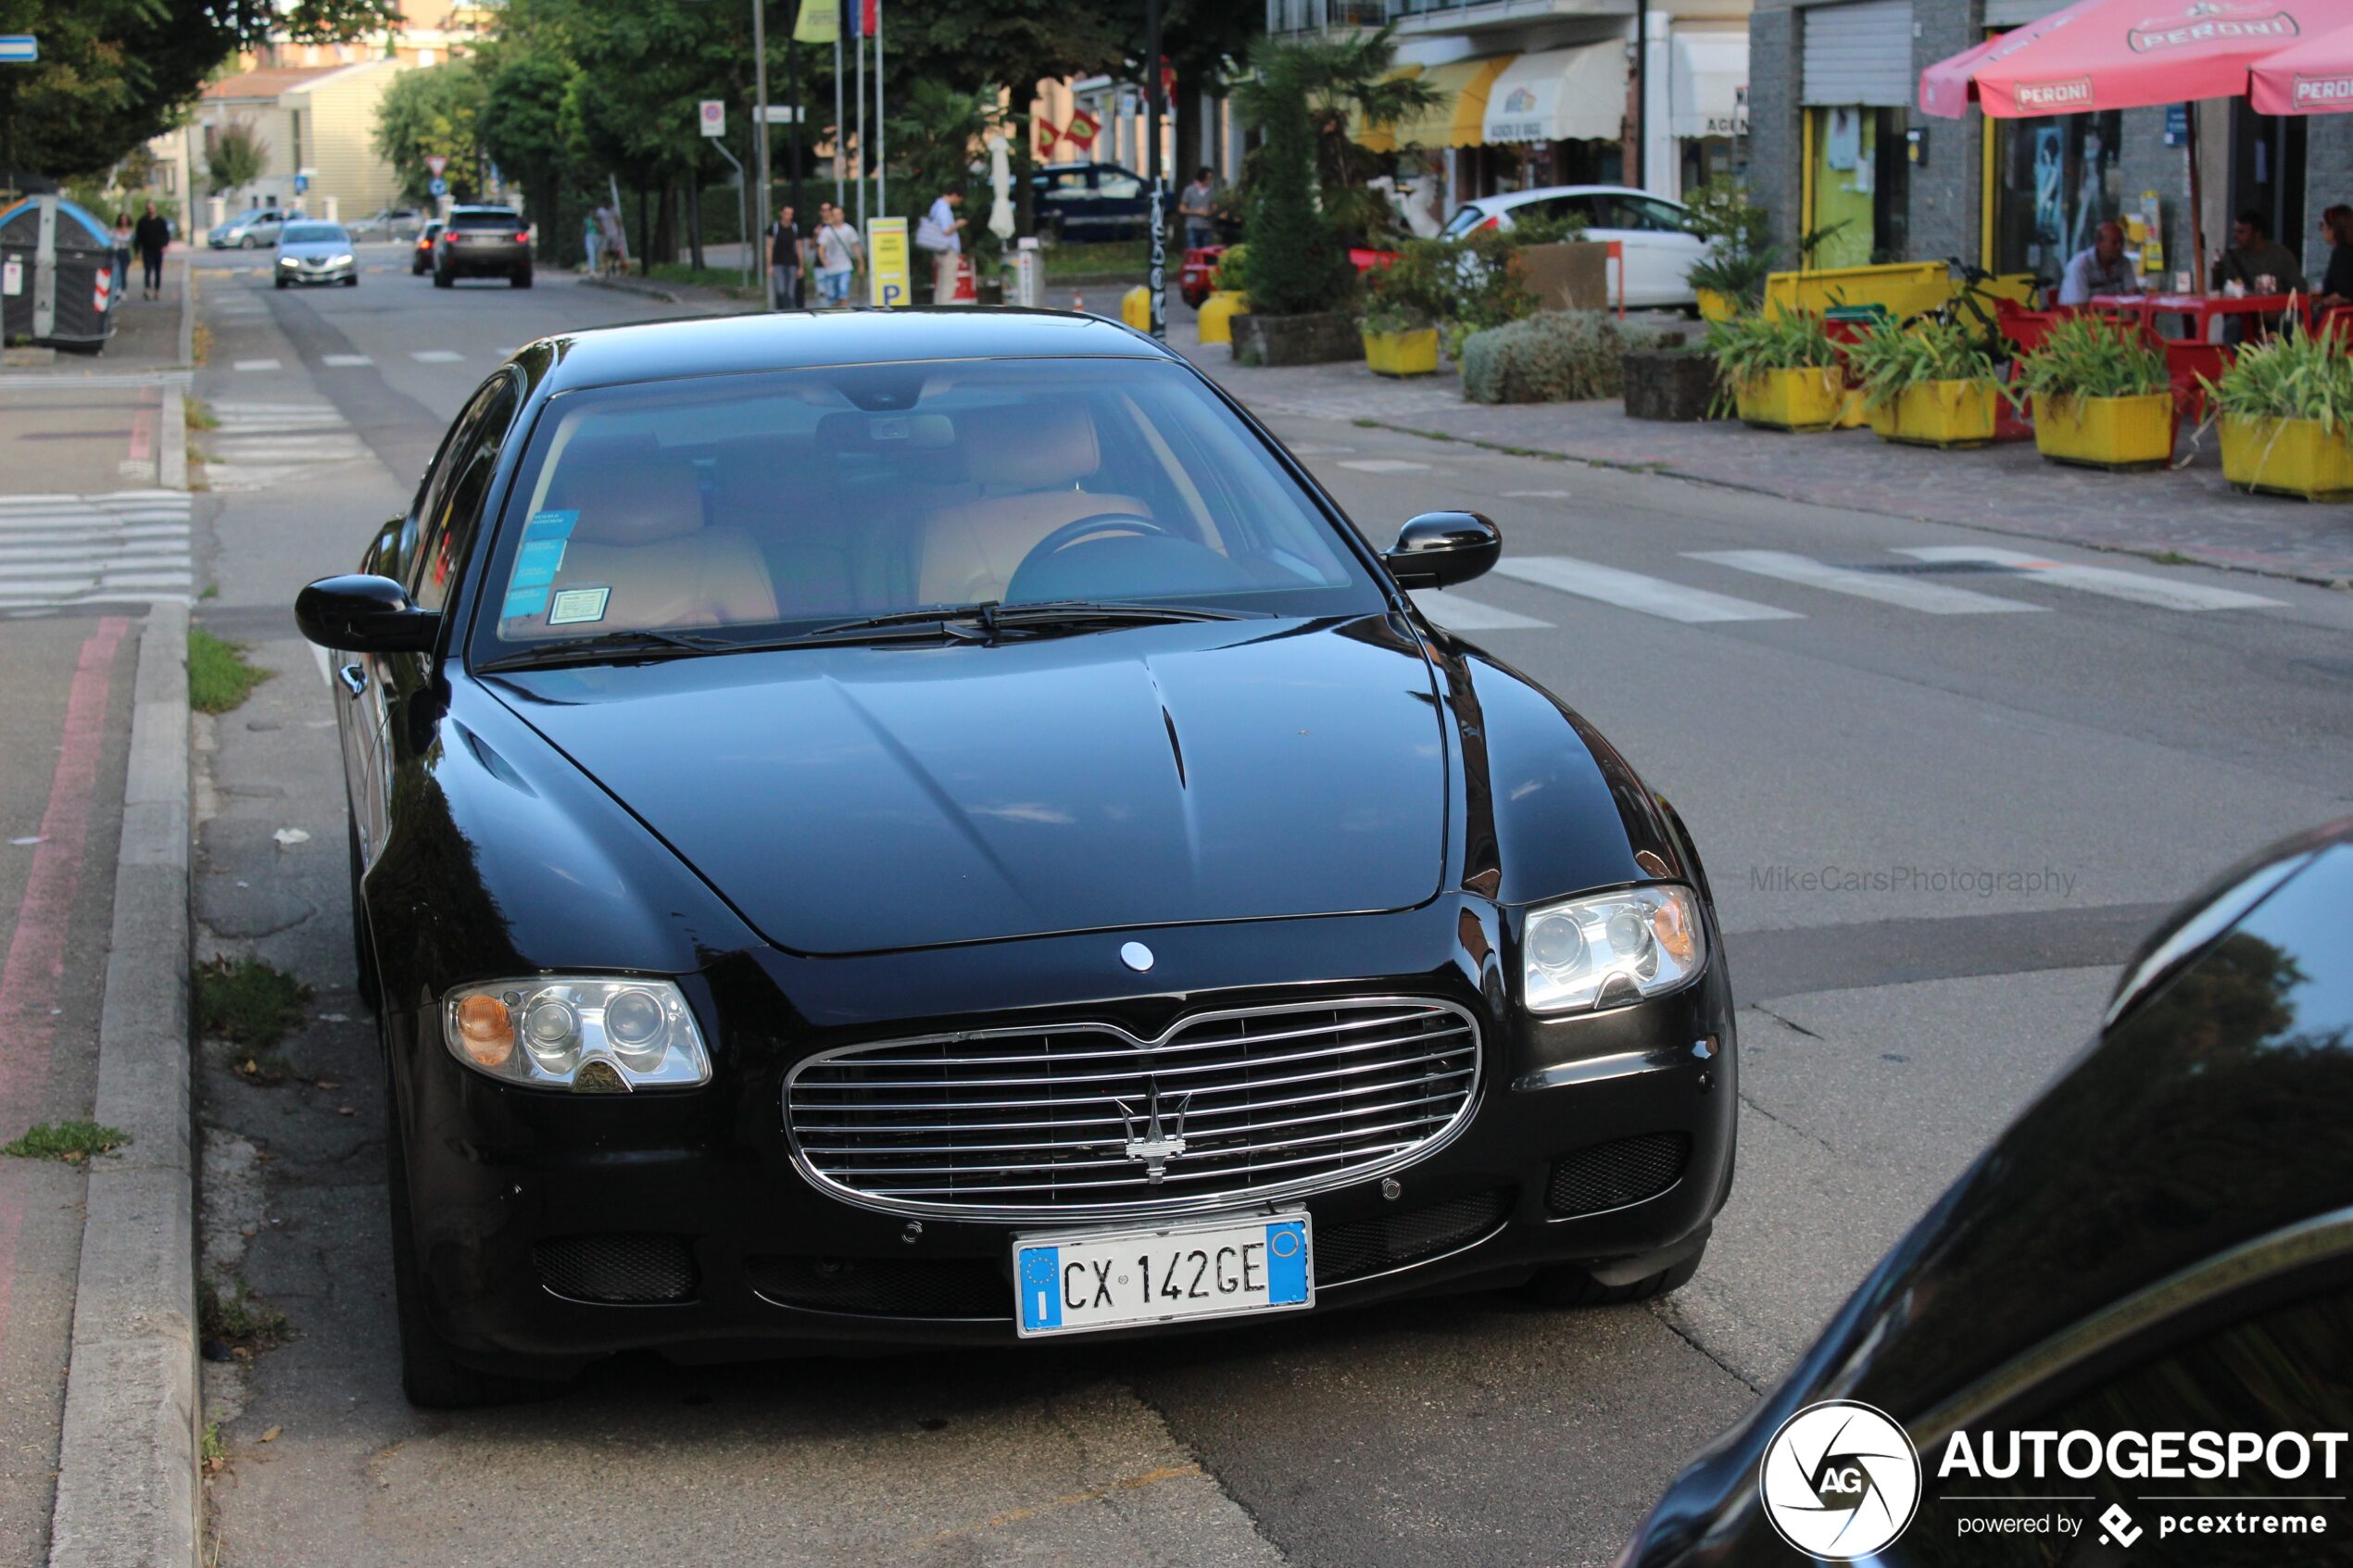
2085,357
1553,356
2293,377
1892,358
1532,227
1297,265
1747,347
1232,268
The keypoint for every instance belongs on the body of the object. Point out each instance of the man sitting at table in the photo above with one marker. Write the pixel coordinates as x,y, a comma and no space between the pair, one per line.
2254,256
2337,288
2101,269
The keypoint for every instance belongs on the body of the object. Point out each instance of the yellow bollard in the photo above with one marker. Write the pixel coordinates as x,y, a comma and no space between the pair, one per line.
1136,309
1217,313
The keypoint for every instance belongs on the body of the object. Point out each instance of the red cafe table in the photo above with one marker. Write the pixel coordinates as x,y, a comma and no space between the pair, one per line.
2193,353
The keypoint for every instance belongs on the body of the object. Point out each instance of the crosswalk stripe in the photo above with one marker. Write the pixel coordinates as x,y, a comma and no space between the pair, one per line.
345,361
1631,590
1907,593
434,356
255,365
2138,587
62,549
1458,613
1382,465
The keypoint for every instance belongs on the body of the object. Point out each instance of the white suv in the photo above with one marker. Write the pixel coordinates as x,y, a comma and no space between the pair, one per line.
1655,232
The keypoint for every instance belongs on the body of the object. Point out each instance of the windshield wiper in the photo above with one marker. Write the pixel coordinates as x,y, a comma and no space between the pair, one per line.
611,648
984,621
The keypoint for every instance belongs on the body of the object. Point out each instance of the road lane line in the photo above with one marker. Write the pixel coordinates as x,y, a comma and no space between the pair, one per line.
1458,613
1631,590
1382,465
2137,587
345,361
434,356
1907,593
255,365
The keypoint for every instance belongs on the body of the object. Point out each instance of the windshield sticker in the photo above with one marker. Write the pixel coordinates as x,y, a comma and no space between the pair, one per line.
523,601
549,525
536,563
575,604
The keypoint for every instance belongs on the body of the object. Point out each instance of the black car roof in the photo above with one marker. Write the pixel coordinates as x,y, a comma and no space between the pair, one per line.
794,340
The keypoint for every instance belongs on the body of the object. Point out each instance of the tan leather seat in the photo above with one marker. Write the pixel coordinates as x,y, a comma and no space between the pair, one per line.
1029,462
641,533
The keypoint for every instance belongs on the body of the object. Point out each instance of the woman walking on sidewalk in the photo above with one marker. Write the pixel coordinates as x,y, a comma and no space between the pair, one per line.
152,236
122,239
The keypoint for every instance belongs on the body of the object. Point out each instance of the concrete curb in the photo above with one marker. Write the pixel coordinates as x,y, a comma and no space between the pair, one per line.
622,285
171,457
187,313
127,1493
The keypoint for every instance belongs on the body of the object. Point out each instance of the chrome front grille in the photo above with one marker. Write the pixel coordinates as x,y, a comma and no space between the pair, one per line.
1256,1102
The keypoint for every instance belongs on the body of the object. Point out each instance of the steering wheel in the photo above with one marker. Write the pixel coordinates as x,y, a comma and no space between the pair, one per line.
1070,534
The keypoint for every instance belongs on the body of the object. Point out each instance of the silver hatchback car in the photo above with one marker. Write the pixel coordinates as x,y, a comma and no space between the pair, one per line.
315,253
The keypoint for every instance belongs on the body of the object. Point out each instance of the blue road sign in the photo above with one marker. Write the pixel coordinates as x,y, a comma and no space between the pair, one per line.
440,187
18,49
302,183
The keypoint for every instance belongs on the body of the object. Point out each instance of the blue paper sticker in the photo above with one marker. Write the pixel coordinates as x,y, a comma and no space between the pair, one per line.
536,563
523,601
549,525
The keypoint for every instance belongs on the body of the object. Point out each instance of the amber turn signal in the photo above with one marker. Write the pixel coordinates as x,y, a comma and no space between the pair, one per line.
487,1031
1672,929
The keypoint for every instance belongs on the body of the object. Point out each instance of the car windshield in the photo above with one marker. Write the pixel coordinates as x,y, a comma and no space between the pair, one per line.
1465,218
312,235
484,219
792,504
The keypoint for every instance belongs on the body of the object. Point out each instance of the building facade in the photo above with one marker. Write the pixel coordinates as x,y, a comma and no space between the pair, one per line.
316,125
1840,151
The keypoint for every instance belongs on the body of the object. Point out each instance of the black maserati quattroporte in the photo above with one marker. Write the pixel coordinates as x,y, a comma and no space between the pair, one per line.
932,828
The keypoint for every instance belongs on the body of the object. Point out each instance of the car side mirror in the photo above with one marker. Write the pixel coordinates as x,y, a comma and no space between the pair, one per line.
1438,549
364,614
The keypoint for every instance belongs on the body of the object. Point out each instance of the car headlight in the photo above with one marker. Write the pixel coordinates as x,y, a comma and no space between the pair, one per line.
344,260
1610,950
586,1034
286,261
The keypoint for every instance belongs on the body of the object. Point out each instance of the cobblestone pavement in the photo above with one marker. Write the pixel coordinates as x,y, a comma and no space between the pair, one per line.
2006,487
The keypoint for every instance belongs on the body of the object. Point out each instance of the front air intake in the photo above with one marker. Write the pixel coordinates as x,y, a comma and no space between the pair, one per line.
617,1270
1612,1175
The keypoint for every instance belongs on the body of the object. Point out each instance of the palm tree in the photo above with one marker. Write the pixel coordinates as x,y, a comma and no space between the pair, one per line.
1347,82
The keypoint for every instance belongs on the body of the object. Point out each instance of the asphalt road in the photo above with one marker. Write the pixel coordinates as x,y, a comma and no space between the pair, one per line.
1939,800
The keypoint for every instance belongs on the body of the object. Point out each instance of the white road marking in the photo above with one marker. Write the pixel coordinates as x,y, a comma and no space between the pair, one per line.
1383,465
72,550
259,445
1314,451
1535,494
434,356
255,365
1907,593
1458,613
1631,590
2139,587
345,361
319,655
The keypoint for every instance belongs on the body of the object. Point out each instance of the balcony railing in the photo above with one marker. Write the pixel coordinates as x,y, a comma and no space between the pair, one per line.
1321,15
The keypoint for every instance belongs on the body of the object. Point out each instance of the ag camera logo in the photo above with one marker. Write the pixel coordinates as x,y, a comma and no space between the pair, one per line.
1840,1481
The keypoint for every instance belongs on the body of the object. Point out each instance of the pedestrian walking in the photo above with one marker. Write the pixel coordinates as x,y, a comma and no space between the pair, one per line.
123,233
616,240
784,245
593,238
1197,206
153,237
939,234
838,256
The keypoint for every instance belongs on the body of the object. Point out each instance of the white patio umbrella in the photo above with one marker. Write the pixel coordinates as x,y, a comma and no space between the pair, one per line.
1001,189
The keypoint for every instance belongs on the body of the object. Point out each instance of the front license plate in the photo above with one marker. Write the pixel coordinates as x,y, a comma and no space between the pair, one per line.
1072,1282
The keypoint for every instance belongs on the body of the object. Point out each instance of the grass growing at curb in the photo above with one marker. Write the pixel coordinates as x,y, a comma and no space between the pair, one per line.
211,1449
200,415
1105,257
248,1001
218,676
73,1142
200,343
238,1318
727,280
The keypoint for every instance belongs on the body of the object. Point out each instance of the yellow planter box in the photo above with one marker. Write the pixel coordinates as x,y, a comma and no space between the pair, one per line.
1136,309
1403,354
1715,306
1810,399
1904,288
2288,458
1944,414
1851,415
1217,312
2118,433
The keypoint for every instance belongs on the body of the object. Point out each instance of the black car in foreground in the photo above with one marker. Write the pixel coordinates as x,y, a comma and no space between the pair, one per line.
2125,1335
931,827
482,242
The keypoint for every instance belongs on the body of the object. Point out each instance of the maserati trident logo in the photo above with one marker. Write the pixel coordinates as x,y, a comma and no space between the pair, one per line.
1151,1138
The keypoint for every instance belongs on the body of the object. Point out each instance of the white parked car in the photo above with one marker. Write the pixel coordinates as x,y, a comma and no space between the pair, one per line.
1656,233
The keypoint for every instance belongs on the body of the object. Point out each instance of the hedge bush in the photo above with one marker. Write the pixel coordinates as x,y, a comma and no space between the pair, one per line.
1553,357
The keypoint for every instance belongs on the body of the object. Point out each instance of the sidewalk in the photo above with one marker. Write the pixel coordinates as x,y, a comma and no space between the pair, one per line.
84,423
2007,488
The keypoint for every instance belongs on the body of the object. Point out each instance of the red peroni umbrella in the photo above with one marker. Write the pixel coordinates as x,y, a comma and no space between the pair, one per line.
2313,76
2129,54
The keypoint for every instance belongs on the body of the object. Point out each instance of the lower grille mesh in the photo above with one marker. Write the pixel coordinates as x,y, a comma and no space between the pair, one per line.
1370,1246
1612,1175
623,1270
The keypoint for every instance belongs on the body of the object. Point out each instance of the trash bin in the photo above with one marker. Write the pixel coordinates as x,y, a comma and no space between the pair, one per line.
57,275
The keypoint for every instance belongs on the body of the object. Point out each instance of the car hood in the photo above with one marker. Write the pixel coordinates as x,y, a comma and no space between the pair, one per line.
861,799
315,250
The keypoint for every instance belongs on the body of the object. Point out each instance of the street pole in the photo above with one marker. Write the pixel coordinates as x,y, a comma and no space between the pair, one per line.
756,246
882,128
792,90
858,48
1158,282
841,149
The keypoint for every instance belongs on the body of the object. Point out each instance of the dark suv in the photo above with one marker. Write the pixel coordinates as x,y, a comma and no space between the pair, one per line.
1079,202
482,241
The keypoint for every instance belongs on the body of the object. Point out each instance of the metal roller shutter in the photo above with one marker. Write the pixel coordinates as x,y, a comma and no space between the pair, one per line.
1859,53
2017,13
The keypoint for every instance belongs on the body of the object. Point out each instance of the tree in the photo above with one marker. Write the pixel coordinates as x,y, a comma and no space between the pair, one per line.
432,113
522,129
236,158
1343,82
1296,264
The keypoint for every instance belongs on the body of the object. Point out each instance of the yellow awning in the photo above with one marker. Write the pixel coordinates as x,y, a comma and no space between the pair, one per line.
1460,117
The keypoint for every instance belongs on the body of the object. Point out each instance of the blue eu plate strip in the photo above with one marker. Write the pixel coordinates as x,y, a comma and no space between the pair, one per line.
1286,1262
1041,1295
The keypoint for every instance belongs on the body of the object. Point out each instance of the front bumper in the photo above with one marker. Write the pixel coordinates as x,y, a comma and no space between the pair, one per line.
516,1193
320,274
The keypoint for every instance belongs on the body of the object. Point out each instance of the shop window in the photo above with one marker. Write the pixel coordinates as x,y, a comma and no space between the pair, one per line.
2056,181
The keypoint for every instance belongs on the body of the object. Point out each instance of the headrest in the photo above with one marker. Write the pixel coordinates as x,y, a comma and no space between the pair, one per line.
1030,446
636,503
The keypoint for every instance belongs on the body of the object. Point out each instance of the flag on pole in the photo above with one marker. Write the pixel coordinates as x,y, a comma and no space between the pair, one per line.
865,17
1082,129
819,22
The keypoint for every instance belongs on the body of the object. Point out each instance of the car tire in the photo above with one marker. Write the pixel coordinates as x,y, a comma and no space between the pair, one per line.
1568,1285
443,279
430,1376
522,280
363,944
247,243
280,281
352,282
